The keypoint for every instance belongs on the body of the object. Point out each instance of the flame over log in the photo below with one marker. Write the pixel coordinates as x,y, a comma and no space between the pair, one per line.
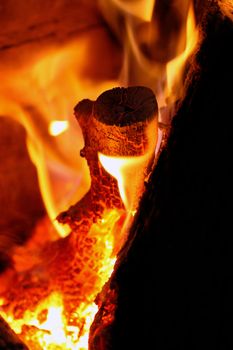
72,271
172,285
115,125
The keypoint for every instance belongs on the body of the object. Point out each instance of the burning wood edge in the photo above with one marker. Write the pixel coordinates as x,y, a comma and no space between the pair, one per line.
115,125
137,322
118,124
8,339
122,123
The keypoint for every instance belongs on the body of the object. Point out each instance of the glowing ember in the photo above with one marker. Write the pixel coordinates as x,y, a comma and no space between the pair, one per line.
50,324
50,301
47,328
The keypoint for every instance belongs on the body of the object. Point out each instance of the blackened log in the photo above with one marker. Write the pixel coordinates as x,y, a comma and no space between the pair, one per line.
8,339
172,287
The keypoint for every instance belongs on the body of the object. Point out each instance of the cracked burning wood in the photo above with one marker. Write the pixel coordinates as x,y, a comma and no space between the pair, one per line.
121,124
115,125
172,285
118,125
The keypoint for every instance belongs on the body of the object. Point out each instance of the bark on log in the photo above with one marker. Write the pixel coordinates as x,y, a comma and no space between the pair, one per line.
8,339
115,125
172,287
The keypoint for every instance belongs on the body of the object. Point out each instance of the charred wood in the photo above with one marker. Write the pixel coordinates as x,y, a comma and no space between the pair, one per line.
8,339
172,286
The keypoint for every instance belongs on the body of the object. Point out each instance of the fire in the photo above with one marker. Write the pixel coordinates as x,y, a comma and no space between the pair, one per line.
57,127
119,166
130,171
50,325
154,55
41,96
47,328
176,66
142,9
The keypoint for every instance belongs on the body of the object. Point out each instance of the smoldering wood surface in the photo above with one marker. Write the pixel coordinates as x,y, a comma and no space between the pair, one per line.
8,339
115,125
172,286
79,249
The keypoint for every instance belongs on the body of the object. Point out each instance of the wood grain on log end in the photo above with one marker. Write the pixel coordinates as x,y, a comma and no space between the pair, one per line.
125,106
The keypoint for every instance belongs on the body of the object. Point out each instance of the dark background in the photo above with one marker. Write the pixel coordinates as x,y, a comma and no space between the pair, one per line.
174,281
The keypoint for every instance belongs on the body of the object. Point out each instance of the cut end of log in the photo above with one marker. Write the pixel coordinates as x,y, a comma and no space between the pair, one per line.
125,106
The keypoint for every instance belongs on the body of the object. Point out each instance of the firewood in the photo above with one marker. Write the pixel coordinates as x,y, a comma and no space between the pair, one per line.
114,125
8,339
172,286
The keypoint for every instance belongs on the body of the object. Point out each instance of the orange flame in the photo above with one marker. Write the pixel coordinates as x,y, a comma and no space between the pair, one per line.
176,66
41,96
130,171
44,332
47,326
133,21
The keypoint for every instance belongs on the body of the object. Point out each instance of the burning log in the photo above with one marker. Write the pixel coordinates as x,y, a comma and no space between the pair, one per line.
8,339
121,124
174,223
115,125
172,285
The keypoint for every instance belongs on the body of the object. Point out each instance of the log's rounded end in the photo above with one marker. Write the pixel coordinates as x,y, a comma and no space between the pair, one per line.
83,108
125,106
